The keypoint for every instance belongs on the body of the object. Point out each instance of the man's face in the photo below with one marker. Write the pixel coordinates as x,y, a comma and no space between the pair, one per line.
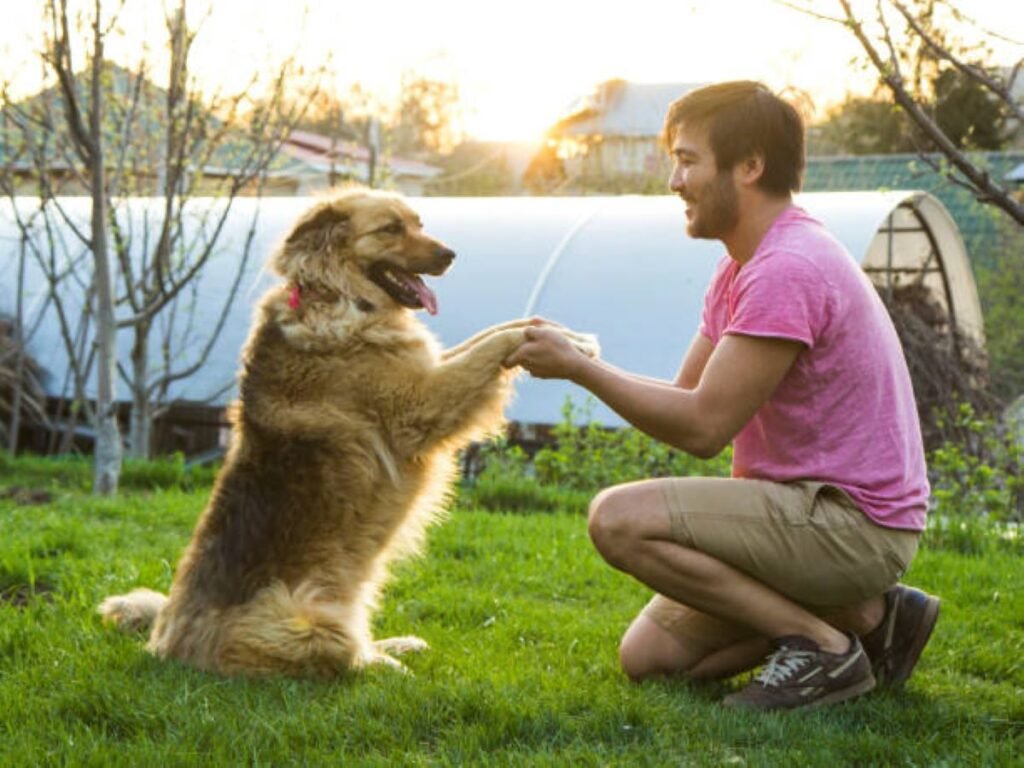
712,205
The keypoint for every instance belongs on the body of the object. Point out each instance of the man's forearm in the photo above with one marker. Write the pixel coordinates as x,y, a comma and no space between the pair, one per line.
659,408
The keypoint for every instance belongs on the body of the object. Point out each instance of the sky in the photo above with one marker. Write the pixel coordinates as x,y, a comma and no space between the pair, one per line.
518,65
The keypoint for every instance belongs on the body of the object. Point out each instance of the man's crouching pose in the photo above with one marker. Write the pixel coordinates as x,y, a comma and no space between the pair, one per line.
797,556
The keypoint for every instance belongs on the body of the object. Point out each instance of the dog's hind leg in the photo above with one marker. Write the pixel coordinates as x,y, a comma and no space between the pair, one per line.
297,633
132,612
400,645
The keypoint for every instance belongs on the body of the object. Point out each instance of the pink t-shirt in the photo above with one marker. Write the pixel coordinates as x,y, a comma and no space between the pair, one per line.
845,413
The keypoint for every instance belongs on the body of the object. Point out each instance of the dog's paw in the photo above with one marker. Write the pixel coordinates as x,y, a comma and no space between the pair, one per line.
586,343
400,645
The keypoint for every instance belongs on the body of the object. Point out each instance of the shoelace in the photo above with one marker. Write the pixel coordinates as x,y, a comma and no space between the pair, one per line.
782,665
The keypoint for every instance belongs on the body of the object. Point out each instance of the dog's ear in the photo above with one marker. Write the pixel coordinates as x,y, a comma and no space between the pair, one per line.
303,250
317,231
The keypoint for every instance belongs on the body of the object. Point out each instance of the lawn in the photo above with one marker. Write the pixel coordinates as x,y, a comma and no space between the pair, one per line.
523,621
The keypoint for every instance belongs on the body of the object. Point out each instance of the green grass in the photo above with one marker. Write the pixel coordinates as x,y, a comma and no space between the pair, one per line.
523,620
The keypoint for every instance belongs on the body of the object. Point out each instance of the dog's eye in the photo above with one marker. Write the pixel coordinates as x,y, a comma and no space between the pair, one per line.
394,228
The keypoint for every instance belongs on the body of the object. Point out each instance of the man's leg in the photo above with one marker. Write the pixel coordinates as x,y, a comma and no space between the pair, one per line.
630,526
705,648
683,642
633,529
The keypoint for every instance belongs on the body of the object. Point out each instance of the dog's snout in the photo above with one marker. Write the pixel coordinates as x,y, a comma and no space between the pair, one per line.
446,254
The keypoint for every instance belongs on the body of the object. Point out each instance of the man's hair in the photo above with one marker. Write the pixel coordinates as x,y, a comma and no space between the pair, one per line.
744,118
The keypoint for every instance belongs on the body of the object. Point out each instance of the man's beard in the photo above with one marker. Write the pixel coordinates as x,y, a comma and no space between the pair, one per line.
717,210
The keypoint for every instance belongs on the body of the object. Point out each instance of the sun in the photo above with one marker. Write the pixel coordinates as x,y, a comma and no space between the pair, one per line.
486,120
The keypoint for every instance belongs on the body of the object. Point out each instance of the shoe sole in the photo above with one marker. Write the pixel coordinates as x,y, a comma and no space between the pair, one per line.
901,674
857,689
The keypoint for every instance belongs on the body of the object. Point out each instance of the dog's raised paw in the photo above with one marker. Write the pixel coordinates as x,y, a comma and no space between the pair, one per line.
586,343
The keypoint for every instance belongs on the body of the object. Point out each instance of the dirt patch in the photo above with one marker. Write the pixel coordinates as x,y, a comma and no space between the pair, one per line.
26,496
20,595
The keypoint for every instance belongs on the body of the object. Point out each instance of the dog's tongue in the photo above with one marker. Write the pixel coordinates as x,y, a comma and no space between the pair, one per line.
427,297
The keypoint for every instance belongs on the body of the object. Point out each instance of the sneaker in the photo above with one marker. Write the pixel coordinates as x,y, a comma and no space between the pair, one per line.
800,674
895,645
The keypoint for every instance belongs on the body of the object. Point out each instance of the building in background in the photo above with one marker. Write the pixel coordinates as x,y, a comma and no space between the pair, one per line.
319,162
609,139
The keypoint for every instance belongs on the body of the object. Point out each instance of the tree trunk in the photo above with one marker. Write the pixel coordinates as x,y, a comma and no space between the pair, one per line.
141,425
107,453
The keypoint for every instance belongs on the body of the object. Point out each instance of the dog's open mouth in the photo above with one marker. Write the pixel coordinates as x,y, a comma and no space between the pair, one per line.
407,288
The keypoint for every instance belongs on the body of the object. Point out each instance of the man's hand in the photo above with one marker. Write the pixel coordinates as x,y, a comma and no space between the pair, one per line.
547,353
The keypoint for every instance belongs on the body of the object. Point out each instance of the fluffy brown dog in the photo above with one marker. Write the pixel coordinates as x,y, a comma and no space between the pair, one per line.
345,435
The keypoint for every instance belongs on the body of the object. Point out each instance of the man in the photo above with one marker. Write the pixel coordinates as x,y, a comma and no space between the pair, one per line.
796,362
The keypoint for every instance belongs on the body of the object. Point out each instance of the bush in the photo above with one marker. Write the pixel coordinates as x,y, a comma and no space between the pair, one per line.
585,458
589,457
979,477
977,489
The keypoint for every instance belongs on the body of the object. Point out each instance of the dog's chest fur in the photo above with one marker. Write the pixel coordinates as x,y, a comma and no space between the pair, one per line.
315,431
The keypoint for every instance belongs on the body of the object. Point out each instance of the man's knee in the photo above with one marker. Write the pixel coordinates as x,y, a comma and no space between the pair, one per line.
608,525
647,651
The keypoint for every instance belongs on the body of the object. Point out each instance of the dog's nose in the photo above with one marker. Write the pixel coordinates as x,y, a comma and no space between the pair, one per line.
446,253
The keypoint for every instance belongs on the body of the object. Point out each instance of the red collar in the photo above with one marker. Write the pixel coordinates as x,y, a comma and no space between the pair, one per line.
296,291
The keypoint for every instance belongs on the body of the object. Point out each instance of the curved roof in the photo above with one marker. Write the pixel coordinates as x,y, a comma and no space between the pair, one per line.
621,267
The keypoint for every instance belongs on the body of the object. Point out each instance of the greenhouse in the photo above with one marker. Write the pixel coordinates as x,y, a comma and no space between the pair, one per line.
620,267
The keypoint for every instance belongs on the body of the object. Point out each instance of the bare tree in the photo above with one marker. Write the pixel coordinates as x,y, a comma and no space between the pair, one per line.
209,147
897,27
85,127
113,132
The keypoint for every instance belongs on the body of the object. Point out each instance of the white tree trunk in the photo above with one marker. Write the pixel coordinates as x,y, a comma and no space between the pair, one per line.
107,452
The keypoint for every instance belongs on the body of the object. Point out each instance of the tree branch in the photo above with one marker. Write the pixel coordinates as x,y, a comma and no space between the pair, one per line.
985,188
972,71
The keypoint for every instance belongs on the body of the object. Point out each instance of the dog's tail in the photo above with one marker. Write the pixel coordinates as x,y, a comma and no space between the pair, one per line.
294,632
133,612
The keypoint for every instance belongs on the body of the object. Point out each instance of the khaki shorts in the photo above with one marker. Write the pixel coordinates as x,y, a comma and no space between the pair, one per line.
807,540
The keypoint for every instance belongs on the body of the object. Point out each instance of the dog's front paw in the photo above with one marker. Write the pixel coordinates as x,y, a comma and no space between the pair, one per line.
586,343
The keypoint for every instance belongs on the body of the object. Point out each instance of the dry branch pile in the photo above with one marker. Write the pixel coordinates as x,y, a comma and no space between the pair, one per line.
947,368
22,399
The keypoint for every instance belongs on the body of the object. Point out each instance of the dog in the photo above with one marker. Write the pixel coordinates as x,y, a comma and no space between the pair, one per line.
345,436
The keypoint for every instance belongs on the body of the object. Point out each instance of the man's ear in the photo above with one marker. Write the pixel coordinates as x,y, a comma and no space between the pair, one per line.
750,169
317,230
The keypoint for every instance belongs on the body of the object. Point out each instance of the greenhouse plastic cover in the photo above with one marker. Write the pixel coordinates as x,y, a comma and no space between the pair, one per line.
621,267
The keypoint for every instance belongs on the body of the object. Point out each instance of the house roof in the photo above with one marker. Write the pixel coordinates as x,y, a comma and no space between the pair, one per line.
621,108
983,227
321,152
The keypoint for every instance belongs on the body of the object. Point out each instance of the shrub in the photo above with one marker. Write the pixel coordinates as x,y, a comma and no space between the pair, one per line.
589,457
585,458
977,489
979,476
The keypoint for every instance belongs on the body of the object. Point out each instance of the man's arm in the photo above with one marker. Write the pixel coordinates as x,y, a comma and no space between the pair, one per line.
718,389
694,362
